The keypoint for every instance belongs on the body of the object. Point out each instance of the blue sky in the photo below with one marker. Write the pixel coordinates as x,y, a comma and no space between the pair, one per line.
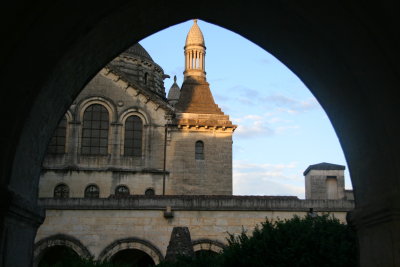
282,129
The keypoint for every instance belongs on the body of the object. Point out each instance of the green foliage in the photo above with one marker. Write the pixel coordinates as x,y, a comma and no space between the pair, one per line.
319,241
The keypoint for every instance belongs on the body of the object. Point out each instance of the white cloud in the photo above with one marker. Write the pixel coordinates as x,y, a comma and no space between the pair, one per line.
289,105
238,164
253,125
266,179
253,129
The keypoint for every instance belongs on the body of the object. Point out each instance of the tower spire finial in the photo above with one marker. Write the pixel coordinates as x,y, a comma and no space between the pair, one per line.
195,51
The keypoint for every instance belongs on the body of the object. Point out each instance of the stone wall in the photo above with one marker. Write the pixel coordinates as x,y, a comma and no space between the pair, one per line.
211,176
97,223
107,181
317,185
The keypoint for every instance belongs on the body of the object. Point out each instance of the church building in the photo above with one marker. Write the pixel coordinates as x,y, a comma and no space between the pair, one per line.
122,136
128,164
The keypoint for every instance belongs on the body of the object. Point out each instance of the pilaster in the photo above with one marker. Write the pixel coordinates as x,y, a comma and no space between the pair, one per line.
20,219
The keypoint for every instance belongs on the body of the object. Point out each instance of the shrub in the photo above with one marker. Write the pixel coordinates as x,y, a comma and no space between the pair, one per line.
309,241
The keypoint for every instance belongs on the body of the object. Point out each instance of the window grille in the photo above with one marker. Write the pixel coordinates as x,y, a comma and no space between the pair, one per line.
61,191
92,191
122,191
133,136
95,130
199,151
57,142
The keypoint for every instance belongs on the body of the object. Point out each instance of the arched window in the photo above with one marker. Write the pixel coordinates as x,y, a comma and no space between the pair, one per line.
149,192
95,130
61,191
92,191
146,78
122,191
133,136
57,142
199,154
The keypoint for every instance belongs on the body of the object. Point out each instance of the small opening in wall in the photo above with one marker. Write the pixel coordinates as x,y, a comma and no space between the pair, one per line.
199,154
149,192
122,191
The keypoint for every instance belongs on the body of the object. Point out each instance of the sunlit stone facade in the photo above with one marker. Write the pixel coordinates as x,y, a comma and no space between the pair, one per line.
128,164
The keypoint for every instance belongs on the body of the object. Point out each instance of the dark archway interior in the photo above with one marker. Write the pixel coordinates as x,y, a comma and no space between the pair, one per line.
205,253
132,257
58,256
345,52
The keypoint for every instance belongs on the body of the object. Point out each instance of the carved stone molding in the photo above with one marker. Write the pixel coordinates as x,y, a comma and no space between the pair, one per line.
59,240
131,243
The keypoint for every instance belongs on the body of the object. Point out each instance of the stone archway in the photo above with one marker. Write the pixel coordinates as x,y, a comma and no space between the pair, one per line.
207,245
57,241
346,54
131,244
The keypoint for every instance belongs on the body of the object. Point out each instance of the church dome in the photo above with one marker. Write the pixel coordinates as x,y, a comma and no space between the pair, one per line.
137,51
195,36
137,67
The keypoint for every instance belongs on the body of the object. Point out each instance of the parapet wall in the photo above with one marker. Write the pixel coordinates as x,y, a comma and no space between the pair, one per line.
99,223
238,203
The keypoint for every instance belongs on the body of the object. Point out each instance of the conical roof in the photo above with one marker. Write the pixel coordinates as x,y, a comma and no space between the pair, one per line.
174,91
196,97
195,36
137,51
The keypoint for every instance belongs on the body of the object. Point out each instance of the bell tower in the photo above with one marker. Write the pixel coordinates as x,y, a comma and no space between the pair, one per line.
195,53
201,144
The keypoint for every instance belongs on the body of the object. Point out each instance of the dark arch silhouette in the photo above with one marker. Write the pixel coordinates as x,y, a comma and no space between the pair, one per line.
55,255
131,243
58,242
347,54
133,257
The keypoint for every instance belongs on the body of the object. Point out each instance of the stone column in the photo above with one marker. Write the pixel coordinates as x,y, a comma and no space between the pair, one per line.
186,61
20,219
378,230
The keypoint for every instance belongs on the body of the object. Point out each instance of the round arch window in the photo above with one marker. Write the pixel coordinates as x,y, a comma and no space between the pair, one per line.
92,191
61,191
149,192
122,191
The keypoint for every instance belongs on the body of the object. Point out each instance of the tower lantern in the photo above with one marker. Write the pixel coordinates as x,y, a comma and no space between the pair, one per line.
195,52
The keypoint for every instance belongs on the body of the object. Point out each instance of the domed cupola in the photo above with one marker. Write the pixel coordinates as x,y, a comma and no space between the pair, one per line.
137,51
174,93
195,52
136,65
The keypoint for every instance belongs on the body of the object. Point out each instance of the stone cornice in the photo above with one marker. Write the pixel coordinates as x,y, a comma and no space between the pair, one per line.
111,169
130,88
203,121
209,203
